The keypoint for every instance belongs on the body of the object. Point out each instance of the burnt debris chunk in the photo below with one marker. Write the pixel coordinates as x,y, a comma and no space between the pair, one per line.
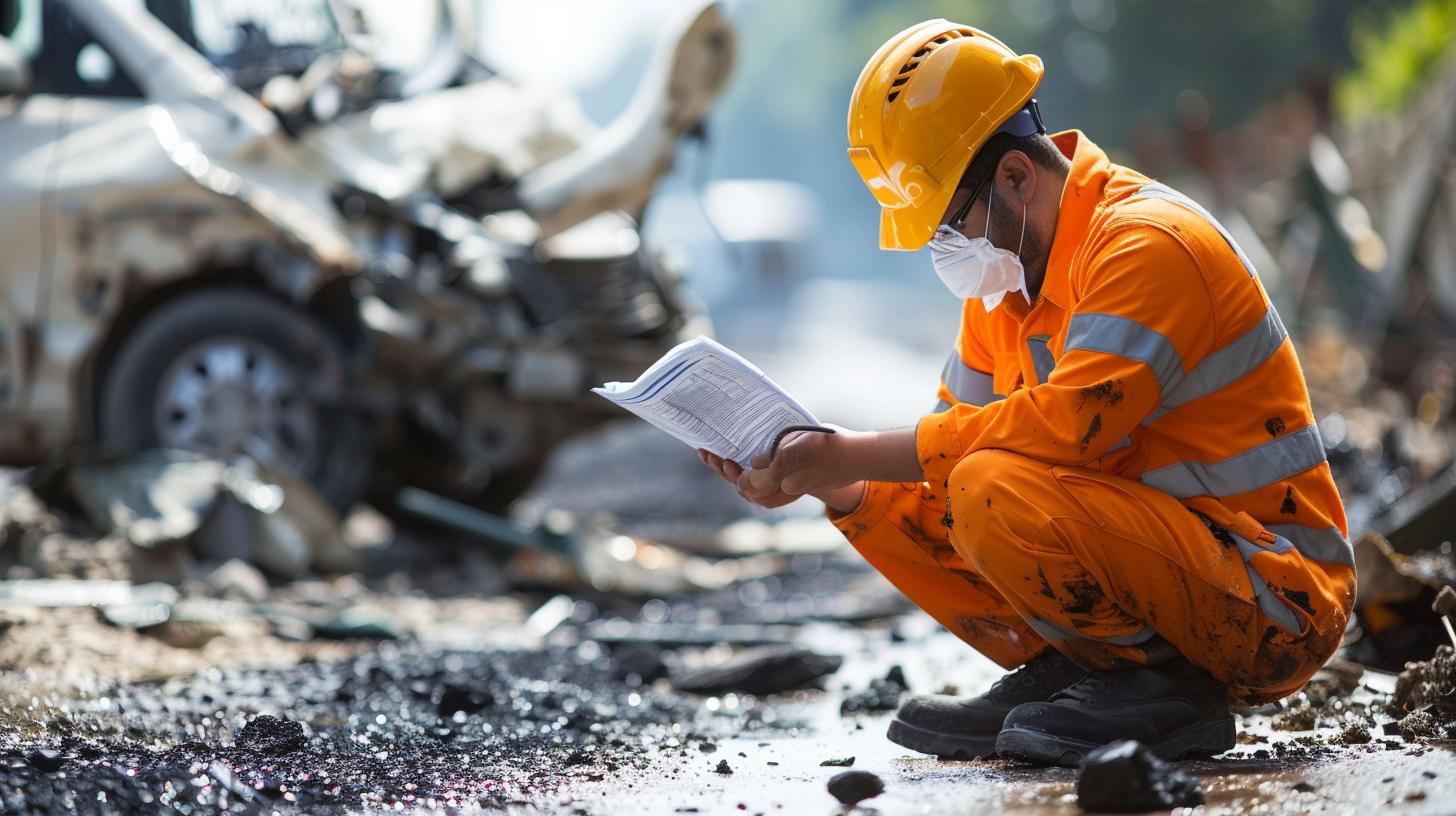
853,787
883,694
45,759
759,671
1125,777
267,734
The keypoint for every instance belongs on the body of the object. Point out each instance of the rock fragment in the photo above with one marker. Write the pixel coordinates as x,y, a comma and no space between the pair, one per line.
759,671
723,768
45,759
267,734
1125,777
853,787
883,694
841,762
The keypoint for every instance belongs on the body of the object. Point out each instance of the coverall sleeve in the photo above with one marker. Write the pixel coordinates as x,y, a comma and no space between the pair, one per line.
1143,316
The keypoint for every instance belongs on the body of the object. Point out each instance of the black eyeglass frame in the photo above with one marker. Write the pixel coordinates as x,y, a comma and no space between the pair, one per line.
958,219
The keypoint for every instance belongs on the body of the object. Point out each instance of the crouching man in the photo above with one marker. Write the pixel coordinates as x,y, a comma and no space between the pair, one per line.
1122,496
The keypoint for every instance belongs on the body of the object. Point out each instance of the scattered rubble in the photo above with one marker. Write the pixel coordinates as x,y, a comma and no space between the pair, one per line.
853,787
883,694
1428,683
1353,734
1125,777
840,762
1417,725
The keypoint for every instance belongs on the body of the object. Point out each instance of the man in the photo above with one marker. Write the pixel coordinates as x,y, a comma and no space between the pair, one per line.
1122,495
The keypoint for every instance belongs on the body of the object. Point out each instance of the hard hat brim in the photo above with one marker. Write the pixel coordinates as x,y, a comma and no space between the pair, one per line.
911,228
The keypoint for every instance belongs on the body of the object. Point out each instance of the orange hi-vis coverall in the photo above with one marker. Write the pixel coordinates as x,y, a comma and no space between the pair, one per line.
1129,467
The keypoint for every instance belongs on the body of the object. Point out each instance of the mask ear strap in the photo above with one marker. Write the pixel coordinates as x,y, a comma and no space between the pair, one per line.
990,199
1022,242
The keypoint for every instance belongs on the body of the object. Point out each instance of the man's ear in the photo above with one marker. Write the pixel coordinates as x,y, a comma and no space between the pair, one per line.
1017,175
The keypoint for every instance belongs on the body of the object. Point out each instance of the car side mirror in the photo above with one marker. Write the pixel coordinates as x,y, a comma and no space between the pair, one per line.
14,70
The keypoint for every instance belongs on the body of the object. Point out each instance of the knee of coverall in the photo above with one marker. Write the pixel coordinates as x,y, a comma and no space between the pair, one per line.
981,497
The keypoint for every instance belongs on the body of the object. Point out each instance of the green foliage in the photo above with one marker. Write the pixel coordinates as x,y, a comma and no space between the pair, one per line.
1395,57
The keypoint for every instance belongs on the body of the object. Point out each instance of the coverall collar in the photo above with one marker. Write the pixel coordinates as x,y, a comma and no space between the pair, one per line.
1081,194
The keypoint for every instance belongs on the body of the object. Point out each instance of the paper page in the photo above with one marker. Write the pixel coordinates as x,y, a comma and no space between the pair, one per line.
711,398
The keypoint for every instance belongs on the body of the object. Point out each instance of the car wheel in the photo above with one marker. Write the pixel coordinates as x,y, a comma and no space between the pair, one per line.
232,372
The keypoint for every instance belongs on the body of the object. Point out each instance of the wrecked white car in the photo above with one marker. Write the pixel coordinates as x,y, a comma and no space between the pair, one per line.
233,231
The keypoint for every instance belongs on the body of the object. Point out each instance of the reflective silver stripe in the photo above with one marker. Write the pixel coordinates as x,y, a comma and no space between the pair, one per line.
1268,601
1254,468
1228,364
1055,631
941,406
965,383
1041,358
1325,545
1166,193
1115,334
1121,443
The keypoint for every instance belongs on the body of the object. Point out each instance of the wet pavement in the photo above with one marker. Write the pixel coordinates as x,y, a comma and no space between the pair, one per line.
497,700
569,726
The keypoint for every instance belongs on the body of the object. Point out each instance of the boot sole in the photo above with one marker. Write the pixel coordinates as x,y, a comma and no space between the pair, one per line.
1199,739
939,743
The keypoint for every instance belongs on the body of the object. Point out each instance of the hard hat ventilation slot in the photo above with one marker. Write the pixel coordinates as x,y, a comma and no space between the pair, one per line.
915,59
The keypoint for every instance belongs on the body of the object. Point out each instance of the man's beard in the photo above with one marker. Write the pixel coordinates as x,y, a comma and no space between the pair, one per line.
1006,233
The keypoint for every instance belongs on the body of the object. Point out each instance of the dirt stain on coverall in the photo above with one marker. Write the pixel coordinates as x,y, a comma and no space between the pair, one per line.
1109,393
1092,431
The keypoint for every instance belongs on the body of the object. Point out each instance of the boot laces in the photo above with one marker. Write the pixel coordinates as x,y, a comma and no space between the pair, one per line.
1028,674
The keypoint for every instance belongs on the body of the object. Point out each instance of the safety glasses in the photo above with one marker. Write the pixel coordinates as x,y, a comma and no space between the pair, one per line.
958,218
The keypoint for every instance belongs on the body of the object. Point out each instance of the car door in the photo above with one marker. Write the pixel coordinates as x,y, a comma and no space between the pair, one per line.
30,127
76,86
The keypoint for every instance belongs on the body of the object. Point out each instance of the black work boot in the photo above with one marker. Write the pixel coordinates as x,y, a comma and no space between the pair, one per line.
1175,708
966,727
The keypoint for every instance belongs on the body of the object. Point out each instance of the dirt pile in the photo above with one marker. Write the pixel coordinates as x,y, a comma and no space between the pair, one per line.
1430,686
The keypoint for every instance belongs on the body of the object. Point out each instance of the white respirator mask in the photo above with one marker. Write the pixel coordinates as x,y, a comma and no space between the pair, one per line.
976,268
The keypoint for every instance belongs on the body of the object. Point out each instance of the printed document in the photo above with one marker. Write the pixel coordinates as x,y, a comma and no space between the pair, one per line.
711,398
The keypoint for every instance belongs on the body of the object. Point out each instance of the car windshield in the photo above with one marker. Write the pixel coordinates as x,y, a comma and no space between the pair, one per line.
256,40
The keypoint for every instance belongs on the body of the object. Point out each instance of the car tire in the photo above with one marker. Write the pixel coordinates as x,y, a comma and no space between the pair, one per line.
286,375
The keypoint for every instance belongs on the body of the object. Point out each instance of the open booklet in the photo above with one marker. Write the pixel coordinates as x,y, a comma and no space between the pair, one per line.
709,397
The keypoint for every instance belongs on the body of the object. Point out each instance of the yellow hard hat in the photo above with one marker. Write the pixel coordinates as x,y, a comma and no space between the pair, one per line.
923,105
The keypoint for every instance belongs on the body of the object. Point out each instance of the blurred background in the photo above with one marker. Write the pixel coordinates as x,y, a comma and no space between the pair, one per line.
372,252
301,302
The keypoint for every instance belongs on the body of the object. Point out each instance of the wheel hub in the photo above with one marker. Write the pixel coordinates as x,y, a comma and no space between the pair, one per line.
226,397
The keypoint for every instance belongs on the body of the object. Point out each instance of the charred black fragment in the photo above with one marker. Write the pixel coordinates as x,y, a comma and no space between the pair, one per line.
1126,777
1274,426
1289,507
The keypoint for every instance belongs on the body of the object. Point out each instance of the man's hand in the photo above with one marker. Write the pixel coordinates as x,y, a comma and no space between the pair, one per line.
829,467
809,462
731,473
